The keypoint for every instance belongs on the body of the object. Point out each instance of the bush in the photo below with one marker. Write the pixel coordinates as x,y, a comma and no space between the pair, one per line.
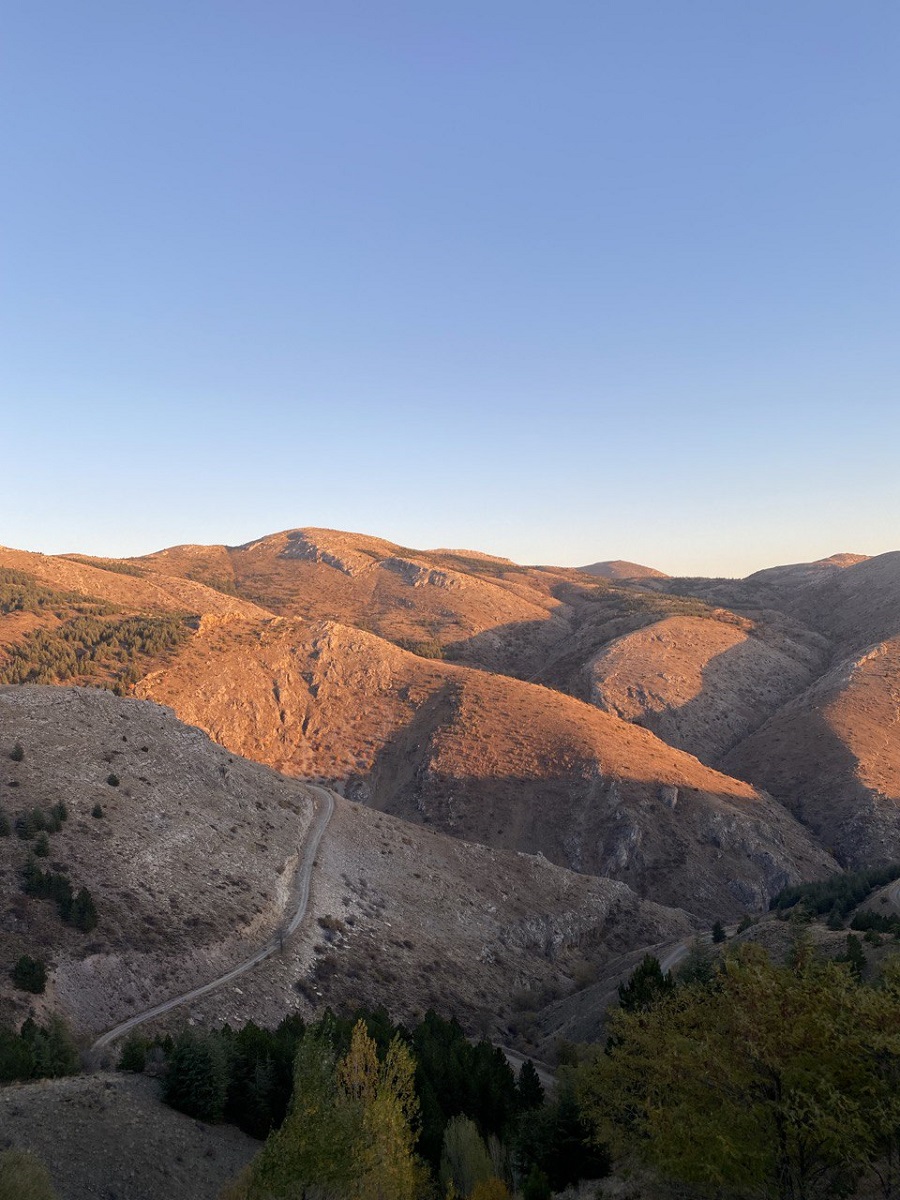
18,752
42,845
134,1054
113,780
24,1177
97,811
30,974
5,826
537,1186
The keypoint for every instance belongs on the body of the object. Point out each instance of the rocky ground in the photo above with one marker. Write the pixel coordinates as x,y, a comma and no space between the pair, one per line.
109,1137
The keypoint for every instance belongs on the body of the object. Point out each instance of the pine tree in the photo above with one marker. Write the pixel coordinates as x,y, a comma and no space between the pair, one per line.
718,933
529,1087
30,974
84,912
196,1079
646,985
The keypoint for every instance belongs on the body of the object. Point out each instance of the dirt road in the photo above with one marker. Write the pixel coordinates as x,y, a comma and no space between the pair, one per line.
323,810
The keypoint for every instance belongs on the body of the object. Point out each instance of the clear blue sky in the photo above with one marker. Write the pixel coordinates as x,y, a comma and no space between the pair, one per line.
559,280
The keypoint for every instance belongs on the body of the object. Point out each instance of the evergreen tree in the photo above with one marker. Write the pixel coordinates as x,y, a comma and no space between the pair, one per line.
196,1078
646,986
83,912
718,933
17,753
529,1087
537,1186
16,1056
30,974
55,1052
134,1054
42,846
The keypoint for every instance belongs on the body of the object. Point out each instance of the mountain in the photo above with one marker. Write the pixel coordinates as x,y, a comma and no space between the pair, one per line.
191,868
617,568
696,742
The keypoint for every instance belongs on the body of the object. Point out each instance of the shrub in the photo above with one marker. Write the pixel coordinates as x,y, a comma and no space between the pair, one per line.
18,752
97,811
5,826
24,1177
42,845
112,779
134,1054
30,974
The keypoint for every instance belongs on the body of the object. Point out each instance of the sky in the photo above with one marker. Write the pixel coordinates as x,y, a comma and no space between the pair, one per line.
563,281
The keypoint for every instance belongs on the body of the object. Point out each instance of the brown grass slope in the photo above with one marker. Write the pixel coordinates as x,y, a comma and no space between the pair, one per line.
833,756
110,1136
618,568
704,685
487,758
191,869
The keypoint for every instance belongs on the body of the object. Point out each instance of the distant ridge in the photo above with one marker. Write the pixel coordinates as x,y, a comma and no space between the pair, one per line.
618,568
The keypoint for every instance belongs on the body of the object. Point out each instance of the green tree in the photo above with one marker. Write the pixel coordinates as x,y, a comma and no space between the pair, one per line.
134,1053
537,1186
646,986
718,933
42,846
17,753
529,1086
30,974
24,1177
311,1155
54,1049
84,912
763,1086
465,1161
196,1078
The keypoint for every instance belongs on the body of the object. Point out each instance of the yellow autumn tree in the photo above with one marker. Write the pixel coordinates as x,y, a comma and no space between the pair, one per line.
384,1098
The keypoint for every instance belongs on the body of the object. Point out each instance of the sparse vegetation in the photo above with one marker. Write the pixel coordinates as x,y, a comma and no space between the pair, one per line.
839,893
86,646
75,908
24,1177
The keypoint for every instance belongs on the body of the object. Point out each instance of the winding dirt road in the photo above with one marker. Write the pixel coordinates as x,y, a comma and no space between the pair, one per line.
323,809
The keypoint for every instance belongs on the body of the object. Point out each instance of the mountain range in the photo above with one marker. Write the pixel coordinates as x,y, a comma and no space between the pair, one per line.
538,769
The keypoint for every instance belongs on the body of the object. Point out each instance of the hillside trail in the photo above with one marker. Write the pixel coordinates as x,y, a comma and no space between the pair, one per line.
323,811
